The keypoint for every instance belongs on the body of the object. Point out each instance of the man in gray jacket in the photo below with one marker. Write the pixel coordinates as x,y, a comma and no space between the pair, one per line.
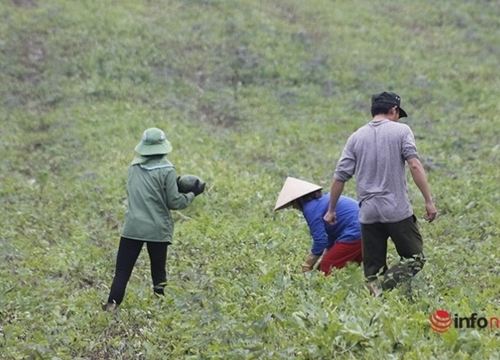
376,154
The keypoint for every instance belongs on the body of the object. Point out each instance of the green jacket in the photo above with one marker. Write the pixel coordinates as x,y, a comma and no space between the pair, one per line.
152,192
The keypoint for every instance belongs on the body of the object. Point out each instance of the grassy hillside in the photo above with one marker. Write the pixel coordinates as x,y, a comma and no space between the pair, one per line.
248,92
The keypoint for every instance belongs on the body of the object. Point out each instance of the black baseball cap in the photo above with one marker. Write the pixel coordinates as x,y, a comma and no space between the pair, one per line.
389,98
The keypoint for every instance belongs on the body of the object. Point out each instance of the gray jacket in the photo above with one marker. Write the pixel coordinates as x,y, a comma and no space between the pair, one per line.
375,154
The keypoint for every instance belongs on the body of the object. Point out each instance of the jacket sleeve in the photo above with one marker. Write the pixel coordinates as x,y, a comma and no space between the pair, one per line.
409,149
175,199
319,236
347,163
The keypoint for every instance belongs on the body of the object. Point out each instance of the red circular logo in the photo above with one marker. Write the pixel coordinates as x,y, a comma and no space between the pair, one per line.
440,321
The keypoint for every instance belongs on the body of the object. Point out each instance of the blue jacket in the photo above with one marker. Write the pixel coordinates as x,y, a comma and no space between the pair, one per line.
346,229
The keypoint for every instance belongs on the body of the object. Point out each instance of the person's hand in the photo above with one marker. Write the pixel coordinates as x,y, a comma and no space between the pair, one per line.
309,262
306,268
330,217
431,212
199,187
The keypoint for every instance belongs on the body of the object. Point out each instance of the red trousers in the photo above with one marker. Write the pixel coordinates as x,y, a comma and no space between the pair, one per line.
340,254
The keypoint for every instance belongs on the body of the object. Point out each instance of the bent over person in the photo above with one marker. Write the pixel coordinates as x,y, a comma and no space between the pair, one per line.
340,242
152,192
376,155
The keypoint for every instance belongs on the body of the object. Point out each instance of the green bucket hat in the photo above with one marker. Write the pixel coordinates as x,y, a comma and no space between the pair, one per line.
153,142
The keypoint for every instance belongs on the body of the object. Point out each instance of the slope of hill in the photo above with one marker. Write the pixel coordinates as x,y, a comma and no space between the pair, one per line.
248,93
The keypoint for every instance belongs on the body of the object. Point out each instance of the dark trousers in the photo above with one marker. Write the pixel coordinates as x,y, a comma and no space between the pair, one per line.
407,239
128,252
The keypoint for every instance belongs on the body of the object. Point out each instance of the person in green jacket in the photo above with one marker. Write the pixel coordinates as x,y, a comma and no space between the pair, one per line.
152,192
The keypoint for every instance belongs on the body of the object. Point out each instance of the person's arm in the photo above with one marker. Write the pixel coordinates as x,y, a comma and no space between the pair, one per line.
420,179
344,171
320,241
336,190
175,199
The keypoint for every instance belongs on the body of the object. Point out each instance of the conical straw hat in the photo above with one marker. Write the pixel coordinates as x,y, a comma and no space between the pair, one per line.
292,190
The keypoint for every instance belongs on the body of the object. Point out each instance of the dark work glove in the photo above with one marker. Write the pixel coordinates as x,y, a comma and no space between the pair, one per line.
198,188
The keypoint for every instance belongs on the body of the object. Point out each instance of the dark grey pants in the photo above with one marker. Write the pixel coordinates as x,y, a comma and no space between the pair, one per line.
128,252
408,242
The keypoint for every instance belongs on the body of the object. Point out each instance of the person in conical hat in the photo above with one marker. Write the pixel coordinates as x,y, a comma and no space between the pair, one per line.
339,242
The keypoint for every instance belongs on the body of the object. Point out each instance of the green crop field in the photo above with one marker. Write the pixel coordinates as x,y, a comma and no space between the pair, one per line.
248,93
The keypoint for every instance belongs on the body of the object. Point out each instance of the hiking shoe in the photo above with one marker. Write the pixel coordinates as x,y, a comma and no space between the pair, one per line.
111,307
